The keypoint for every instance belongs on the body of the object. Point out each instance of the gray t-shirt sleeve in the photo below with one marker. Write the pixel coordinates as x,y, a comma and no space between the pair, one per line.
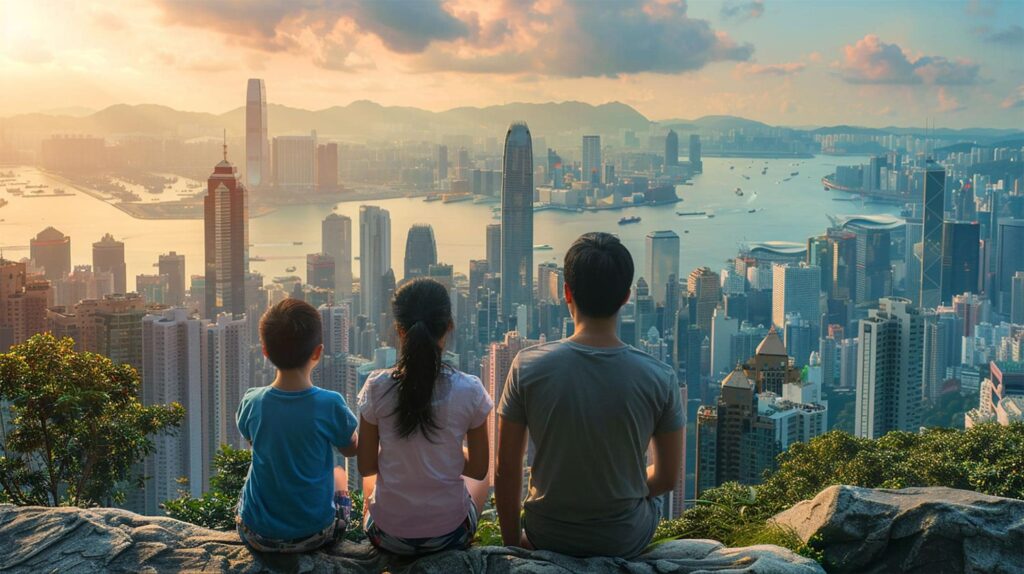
672,418
511,406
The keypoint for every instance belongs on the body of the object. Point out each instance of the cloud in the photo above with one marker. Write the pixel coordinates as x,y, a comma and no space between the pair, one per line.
948,102
785,69
1013,34
1014,100
740,11
31,52
872,61
567,38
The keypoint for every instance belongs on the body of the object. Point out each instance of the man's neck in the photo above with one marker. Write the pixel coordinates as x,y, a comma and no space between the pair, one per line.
292,380
596,332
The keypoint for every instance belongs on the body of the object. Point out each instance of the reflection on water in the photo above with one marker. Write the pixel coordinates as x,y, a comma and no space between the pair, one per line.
786,211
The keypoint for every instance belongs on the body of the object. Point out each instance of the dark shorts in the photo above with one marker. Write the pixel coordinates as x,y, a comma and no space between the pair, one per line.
333,532
458,539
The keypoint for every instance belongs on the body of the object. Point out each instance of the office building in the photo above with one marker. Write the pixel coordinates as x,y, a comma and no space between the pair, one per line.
51,250
257,142
442,163
704,286
889,371
336,241
591,170
327,166
696,164
294,160
226,225
662,263
1009,260
374,259
494,247
517,222
108,257
153,288
420,251
796,290
172,266
172,373
671,149
931,238
874,233
320,272
961,248
550,283
1017,298
111,326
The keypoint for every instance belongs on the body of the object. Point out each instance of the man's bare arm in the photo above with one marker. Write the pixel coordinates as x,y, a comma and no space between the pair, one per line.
508,479
668,456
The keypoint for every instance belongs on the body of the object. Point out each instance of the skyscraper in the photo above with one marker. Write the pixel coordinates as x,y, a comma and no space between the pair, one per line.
224,357
705,286
961,270
51,250
591,172
1017,298
173,266
442,162
662,262
226,219
171,372
374,258
493,373
336,241
517,222
889,369
695,162
327,166
23,304
796,289
294,159
494,247
108,256
420,251
257,143
931,238
320,270
1009,259
671,149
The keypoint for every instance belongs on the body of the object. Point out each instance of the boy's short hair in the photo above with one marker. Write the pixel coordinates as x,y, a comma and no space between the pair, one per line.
599,273
290,331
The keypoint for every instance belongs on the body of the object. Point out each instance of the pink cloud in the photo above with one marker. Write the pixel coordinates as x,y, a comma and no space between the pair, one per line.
872,61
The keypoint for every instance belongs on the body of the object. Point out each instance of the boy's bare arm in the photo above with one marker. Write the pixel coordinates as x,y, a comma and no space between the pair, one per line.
353,448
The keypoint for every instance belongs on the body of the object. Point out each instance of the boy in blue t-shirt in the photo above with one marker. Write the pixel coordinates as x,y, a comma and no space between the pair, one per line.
292,500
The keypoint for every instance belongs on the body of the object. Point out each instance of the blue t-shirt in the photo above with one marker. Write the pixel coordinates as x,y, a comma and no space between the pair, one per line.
289,490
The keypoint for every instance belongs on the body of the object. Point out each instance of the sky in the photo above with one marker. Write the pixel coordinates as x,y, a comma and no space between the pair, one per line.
957,63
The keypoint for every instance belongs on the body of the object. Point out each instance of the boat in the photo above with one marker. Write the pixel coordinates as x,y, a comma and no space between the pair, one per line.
257,258
691,213
542,247
686,231
432,197
710,215
290,269
628,220
732,167
751,211
746,177
296,243
739,192
794,174
455,197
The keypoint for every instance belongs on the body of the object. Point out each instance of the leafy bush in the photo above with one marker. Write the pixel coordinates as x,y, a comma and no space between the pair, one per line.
73,424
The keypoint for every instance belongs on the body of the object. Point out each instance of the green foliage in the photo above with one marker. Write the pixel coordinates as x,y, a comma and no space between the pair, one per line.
488,531
74,425
216,507
948,411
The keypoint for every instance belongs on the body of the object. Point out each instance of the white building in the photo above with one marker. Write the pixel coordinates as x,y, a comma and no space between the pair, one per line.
889,369
225,378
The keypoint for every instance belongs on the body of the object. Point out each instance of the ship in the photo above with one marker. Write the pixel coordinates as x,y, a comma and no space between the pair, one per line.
794,173
290,269
739,192
257,258
691,213
454,197
542,247
628,220
432,197
751,211
296,243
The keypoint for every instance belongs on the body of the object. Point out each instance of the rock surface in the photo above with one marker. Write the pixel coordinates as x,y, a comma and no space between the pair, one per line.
71,540
914,530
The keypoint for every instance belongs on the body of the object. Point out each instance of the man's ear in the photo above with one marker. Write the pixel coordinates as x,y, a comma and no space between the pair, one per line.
567,292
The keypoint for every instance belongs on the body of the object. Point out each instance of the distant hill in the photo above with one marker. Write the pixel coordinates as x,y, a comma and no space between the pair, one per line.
712,123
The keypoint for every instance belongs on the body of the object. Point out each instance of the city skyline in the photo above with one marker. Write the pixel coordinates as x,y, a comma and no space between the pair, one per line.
850,64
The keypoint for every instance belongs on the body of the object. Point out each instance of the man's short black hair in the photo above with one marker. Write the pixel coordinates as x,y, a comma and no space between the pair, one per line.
290,332
599,273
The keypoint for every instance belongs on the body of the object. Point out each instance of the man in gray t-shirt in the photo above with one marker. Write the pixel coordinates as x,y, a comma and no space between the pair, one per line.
592,405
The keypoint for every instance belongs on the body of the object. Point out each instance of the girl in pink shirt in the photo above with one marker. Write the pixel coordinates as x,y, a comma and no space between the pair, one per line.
424,491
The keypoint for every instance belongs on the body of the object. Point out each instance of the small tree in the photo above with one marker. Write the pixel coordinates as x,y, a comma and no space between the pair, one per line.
216,507
72,425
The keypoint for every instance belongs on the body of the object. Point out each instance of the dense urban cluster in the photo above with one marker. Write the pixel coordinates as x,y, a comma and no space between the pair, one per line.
881,314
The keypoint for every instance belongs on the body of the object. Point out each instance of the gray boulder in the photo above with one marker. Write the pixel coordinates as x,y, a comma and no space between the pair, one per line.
914,530
72,540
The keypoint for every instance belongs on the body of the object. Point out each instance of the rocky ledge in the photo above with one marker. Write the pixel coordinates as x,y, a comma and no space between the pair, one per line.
71,540
913,530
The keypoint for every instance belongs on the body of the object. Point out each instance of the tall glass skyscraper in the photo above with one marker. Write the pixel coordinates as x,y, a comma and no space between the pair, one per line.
960,259
420,251
374,258
662,262
931,238
591,160
257,144
671,149
517,222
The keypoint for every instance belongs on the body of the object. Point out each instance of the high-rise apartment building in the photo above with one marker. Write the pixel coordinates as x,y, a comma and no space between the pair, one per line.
662,262
550,283
108,256
517,222
493,373
931,238
257,142
327,166
51,250
294,160
889,370
23,304
336,241
374,259
226,223
111,326
172,373
225,346
441,160
420,251
591,170
172,266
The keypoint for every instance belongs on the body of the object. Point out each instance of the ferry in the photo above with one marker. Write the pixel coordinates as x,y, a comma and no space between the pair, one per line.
431,197
257,258
794,173
710,215
296,243
290,269
542,247
628,220
455,197
752,211
691,213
